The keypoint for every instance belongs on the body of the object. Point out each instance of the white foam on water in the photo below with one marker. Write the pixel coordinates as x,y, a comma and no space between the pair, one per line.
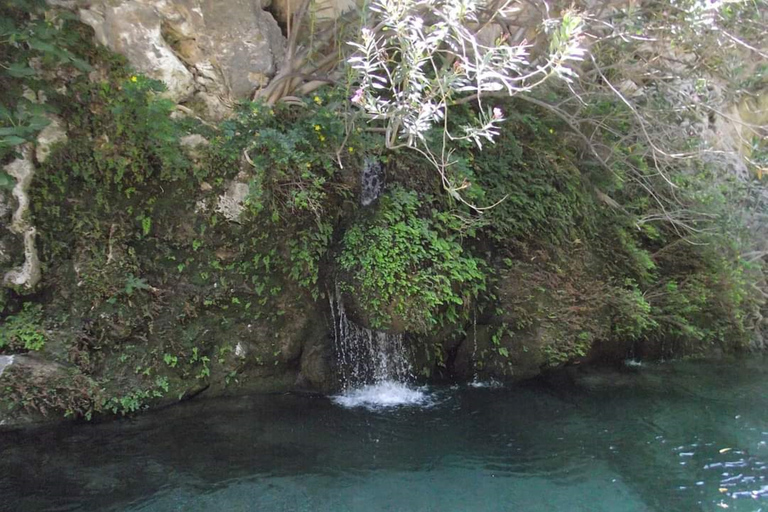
633,363
384,395
491,383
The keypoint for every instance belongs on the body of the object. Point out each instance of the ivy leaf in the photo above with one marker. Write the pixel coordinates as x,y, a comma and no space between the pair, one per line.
38,123
80,64
6,181
41,46
12,141
19,70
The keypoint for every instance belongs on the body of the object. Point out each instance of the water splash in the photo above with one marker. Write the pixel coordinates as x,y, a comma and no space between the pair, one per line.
372,181
383,395
373,366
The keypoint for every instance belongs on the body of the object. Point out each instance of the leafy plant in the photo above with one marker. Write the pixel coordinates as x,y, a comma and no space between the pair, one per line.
416,59
23,331
407,267
30,34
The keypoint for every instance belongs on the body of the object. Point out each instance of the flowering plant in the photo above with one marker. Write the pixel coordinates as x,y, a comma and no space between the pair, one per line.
417,58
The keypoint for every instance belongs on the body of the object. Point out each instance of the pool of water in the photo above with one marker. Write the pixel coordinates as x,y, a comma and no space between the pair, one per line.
667,437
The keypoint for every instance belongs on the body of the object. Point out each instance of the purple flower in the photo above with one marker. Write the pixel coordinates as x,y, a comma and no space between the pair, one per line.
497,113
357,97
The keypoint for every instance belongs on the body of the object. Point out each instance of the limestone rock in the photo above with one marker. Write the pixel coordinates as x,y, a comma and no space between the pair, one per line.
192,144
134,29
232,203
51,134
241,41
28,274
217,51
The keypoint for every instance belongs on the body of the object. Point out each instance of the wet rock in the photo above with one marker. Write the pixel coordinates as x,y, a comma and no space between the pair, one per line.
317,372
479,357
25,373
544,320
5,361
371,181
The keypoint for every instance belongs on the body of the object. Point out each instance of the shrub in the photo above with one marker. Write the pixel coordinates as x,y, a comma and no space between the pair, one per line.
22,331
408,268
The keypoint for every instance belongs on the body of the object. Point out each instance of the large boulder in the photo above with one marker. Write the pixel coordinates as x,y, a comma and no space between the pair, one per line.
134,29
544,319
211,51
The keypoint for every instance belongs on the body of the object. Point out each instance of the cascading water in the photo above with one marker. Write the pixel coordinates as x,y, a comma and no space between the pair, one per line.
371,181
372,365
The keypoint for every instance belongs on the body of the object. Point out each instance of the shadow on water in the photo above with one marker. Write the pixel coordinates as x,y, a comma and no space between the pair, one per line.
687,437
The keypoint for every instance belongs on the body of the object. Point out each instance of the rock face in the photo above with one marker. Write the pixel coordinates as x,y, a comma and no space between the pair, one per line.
232,202
201,49
23,373
52,134
26,276
322,10
538,326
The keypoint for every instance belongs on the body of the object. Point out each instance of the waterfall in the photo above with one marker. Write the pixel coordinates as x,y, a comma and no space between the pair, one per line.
371,181
372,366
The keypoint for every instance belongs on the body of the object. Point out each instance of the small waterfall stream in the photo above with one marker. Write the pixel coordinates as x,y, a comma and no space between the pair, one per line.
373,366
371,180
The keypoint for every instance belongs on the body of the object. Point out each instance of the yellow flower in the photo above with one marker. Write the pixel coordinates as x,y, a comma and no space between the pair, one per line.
309,165
318,100
322,138
317,127
551,130
351,149
134,79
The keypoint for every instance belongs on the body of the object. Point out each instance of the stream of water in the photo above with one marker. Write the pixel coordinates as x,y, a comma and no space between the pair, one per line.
373,366
669,437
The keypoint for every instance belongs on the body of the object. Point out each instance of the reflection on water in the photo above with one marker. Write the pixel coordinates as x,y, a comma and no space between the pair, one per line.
673,437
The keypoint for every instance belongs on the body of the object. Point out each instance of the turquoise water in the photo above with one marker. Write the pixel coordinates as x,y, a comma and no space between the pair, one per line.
666,437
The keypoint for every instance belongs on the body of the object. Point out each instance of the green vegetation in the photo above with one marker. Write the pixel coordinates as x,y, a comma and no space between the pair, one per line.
169,270
51,42
410,269
23,331
295,182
